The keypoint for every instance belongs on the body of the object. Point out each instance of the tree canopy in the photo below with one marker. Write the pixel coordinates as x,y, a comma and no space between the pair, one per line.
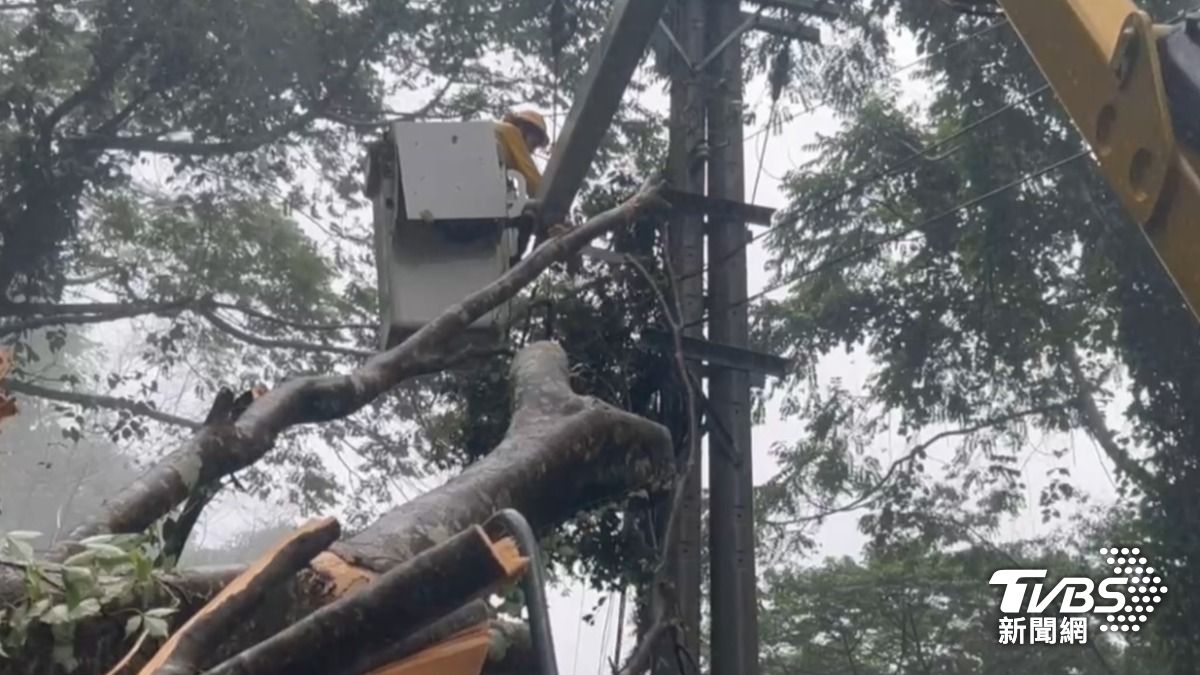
180,212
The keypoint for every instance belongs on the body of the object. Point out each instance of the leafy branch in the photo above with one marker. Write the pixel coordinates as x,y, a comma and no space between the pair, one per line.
108,572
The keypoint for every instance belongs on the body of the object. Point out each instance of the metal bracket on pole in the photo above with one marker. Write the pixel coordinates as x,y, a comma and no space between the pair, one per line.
757,21
679,51
692,203
787,29
821,8
751,20
717,355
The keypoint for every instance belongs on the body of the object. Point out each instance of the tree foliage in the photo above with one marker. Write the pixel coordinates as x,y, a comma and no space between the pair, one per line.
983,266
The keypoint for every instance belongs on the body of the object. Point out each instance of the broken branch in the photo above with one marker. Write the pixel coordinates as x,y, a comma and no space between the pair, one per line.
182,654
431,585
213,453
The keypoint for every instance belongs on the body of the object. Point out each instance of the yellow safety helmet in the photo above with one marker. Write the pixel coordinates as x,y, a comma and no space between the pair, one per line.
530,120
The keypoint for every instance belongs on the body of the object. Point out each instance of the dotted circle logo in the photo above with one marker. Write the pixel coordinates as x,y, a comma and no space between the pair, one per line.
1145,589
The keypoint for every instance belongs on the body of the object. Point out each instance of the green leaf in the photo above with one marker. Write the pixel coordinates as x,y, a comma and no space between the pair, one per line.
161,612
156,627
117,587
143,568
24,535
98,539
38,608
80,559
20,548
78,583
57,614
107,551
87,608
133,624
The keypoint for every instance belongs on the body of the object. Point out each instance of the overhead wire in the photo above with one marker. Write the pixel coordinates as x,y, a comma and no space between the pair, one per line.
604,635
886,172
896,236
812,107
866,179
762,154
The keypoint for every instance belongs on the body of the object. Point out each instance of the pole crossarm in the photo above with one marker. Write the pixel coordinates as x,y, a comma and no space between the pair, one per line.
820,8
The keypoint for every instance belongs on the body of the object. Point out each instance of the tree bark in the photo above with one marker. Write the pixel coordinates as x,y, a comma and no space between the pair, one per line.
561,453
216,452
471,614
410,597
191,644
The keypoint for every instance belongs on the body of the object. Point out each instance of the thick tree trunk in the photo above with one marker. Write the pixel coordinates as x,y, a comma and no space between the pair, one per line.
562,452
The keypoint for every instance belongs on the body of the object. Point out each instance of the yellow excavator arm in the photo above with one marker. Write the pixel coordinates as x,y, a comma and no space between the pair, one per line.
1133,89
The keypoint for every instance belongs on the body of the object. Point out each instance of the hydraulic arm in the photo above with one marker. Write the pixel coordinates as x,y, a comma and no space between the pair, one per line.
1133,89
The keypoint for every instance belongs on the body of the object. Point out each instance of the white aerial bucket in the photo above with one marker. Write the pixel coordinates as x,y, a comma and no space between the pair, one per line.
442,204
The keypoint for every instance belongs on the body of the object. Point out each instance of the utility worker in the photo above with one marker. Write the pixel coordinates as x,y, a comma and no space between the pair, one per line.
519,135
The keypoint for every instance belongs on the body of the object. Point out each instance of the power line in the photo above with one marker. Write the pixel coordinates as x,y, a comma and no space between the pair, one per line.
896,236
867,179
762,155
604,636
788,117
862,183
579,626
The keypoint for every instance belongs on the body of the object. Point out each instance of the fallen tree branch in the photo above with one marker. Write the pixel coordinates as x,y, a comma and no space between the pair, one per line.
561,453
398,603
184,651
469,615
100,401
213,453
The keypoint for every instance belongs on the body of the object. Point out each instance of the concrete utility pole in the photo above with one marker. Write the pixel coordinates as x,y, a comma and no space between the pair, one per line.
734,634
706,133
686,172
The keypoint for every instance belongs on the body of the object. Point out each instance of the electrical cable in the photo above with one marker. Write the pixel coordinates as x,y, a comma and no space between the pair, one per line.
762,155
896,236
887,172
908,66
604,635
579,626
864,181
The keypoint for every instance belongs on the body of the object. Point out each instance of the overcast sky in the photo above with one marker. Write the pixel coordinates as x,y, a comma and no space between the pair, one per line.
581,648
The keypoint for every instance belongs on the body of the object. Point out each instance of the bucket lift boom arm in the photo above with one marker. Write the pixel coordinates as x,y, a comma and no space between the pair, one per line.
1133,89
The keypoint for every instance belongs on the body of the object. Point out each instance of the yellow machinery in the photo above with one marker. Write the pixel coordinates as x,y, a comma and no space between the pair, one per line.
1133,89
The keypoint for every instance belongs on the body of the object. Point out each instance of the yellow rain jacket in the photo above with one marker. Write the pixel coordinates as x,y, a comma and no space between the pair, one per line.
516,156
